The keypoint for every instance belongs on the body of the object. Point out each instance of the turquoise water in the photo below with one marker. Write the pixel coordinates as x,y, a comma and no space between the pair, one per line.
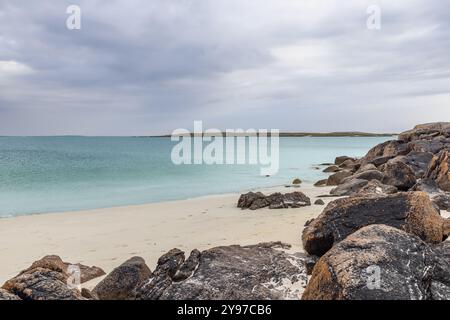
53,174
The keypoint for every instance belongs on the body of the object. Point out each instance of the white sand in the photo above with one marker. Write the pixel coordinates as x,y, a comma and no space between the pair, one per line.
108,237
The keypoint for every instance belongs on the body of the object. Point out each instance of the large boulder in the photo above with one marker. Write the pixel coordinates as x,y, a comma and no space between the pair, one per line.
385,151
122,282
399,175
379,262
426,131
262,272
340,160
411,211
375,187
439,170
366,175
349,187
337,178
46,279
417,161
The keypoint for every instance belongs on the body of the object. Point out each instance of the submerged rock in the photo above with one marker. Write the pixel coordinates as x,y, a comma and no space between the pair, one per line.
412,212
379,262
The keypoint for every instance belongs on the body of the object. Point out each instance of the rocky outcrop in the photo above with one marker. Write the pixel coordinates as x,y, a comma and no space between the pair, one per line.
399,175
122,282
5,295
439,170
277,200
379,262
412,212
426,131
263,271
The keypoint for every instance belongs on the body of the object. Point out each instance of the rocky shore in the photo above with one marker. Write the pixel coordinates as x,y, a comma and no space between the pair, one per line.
382,238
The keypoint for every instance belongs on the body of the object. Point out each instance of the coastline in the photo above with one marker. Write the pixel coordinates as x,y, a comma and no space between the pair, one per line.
106,237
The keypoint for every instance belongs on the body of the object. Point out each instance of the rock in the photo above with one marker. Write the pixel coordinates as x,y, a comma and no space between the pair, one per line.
188,267
252,201
441,200
276,200
378,161
122,282
310,262
446,229
348,188
375,187
342,159
258,272
319,202
431,146
332,168
336,179
5,295
350,165
411,211
87,273
297,181
384,152
427,185
438,170
366,175
367,167
86,293
417,161
408,269
399,175
321,183
42,283
426,131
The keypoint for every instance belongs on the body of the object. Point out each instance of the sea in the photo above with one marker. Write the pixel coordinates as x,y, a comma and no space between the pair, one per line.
68,173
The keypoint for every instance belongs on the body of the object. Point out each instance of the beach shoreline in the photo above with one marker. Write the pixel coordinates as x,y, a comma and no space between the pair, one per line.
106,237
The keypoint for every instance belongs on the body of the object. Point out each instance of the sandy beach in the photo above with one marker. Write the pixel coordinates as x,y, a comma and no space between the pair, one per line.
107,237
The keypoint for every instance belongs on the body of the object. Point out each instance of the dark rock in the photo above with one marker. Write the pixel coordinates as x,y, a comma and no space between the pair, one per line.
441,200
349,187
438,170
366,167
5,295
431,146
378,161
321,183
310,262
122,282
399,175
342,159
86,293
332,168
319,202
409,269
384,151
412,212
366,175
261,272
42,284
276,200
336,178
446,229
350,165
427,185
417,161
188,267
297,181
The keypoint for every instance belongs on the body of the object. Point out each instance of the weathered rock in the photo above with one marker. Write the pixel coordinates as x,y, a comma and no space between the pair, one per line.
342,159
310,263
321,183
446,229
319,202
384,152
427,185
432,146
122,282
426,131
411,211
366,175
188,267
262,271
5,295
348,188
42,284
378,161
367,167
417,161
87,273
409,269
336,178
399,175
375,187
438,170
86,293
441,200
332,168
350,165
276,200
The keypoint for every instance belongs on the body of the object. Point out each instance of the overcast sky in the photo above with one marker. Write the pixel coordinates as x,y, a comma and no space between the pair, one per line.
151,66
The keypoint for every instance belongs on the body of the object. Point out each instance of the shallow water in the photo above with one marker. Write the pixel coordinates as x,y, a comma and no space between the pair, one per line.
53,174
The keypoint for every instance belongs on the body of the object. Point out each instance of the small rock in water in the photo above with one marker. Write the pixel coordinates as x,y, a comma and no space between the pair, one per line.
319,202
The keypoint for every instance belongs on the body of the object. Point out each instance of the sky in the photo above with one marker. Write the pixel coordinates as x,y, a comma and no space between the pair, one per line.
140,67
